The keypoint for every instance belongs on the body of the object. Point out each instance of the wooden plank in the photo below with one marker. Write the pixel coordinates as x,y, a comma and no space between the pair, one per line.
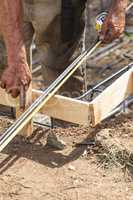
59,107
66,109
111,97
80,112
7,100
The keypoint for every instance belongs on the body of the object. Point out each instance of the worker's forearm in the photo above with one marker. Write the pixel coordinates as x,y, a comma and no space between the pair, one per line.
120,4
11,25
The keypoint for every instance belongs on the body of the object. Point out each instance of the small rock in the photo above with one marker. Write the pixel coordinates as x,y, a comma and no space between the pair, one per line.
71,167
54,164
85,153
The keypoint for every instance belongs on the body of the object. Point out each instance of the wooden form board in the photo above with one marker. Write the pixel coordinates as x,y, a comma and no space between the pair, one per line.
111,97
7,100
59,107
66,109
77,111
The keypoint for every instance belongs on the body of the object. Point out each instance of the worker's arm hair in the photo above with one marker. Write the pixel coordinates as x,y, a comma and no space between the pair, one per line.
121,4
114,23
17,74
11,22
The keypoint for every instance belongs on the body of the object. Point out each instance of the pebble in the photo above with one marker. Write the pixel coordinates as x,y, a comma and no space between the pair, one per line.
71,167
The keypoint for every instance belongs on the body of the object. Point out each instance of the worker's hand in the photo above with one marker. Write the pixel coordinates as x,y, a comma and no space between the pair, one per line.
16,80
113,25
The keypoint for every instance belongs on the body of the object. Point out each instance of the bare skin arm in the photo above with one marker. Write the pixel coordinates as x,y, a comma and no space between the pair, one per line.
17,75
114,23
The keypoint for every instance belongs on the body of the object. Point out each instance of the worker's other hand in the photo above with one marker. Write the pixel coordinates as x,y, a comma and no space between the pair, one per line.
113,25
14,79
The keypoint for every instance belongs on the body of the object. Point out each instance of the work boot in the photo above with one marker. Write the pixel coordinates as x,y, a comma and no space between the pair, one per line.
54,141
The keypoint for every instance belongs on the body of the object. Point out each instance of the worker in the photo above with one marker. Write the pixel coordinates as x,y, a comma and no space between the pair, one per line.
57,34
17,73
104,5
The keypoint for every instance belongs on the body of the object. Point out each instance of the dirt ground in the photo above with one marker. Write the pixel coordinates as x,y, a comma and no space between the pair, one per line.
30,170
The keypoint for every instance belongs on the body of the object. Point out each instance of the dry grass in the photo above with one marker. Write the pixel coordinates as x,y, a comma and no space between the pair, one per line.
110,152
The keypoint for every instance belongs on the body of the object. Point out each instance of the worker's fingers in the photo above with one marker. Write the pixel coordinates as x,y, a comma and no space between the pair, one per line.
15,92
23,89
26,82
5,82
110,34
105,29
103,34
108,38
3,85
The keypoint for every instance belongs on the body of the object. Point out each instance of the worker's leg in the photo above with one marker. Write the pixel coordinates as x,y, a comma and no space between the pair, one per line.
56,55
105,4
28,38
93,8
55,58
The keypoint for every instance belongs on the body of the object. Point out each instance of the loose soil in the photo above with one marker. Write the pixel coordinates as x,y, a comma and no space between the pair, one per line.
30,170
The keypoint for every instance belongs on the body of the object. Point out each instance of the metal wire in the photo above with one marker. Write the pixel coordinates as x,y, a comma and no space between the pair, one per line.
92,90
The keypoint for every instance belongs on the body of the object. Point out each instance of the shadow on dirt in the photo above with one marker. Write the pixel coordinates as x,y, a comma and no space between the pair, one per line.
40,153
35,149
